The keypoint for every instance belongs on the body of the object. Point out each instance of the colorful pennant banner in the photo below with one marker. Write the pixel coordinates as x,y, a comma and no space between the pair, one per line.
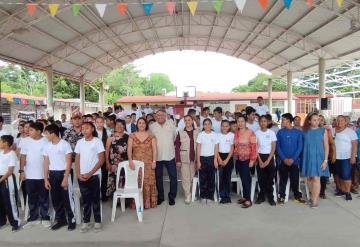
340,2
147,8
53,8
240,4
101,7
122,8
170,7
218,5
263,4
75,8
31,8
192,7
287,3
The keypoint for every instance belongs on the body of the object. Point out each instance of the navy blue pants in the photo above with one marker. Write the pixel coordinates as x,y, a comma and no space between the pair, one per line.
38,198
225,177
293,173
242,166
8,202
171,169
266,177
207,177
90,193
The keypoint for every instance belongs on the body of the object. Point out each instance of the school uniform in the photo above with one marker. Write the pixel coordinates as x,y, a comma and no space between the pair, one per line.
226,141
90,189
62,200
103,135
207,170
266,175
8,191
38,195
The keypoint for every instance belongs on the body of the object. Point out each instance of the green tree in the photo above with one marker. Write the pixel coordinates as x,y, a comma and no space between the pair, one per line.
154,84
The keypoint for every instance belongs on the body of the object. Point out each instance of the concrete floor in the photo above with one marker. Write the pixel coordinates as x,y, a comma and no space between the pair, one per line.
334,223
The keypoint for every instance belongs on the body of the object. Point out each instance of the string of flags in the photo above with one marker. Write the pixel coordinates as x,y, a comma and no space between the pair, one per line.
148,6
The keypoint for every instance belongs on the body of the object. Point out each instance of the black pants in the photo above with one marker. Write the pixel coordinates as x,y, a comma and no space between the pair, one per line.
266,177
90,193
104,180
291,172
207,177
8,204
225,177
244,170
38,198
62,200
171,169
323,182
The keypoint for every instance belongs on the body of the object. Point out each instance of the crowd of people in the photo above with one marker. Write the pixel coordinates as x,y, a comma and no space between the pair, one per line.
50,156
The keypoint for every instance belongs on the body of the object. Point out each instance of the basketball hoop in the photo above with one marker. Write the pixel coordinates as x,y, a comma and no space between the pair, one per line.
186,92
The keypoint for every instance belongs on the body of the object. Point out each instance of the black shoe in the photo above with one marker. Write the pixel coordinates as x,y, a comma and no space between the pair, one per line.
259,200
15,228
281,201
348,197
71,226
171,202
159,202
222,201
272,202
323,196
339,194
58,225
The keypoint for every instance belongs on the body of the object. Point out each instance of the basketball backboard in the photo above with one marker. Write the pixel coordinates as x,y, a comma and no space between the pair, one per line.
185,91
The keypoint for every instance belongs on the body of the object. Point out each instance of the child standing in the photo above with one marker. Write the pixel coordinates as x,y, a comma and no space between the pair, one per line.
57,155
207,152
225,161
8,190
89,159
32,161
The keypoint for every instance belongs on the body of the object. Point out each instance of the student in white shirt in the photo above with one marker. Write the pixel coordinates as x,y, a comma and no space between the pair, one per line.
251,122
57,156
2,131
225,161
260,107
216,120
8,160
207,152
89,159
192,114
204,115
32,173
266,143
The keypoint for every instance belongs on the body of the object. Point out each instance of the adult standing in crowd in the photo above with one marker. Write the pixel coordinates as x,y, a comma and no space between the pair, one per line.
120,112
115,152
165,133
315,155
260,107
110,123
217,119
130,126
346,142
205,113
2,131
289,147
102,134
251,122
192,114
142,146
135,109
245,154
73,135
297,123
65,123
185,153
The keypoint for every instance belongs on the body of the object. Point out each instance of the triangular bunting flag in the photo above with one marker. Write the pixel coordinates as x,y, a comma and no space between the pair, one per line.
75,8
192,7
287,3
240,4
170,7
310,3
340,2
218,5
263,4
31,8
122,8
147,8
53,8
101,7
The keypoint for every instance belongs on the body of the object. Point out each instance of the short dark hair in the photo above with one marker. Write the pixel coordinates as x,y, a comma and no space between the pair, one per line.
118,107
9,139
218,109
206,109
133,114
1,119
111,117
249,110
39,126
191,111
268,117
120,121
225,121
260,97
288,116
53,129
133,105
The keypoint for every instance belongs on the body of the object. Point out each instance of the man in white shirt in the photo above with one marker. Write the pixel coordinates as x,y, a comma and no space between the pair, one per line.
135,110
169,110
32,173
119,112
251,123
148,109
2,131
216,120
204,115
165,133
64,123
260,107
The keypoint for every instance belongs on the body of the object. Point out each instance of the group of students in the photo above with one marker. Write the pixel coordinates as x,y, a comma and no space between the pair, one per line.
251,144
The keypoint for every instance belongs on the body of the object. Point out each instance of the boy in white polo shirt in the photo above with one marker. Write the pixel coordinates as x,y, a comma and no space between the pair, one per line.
57,155
8,190
32,173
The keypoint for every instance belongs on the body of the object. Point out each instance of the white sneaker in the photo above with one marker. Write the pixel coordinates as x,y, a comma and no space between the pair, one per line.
97,227
84,227
46,223
188,199
30,224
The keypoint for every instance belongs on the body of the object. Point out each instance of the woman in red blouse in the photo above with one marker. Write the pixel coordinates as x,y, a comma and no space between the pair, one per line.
245,155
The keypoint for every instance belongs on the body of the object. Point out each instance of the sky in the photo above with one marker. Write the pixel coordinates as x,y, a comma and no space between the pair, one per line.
207,71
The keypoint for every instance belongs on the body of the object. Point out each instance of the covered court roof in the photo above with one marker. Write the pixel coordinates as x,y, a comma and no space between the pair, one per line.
276,39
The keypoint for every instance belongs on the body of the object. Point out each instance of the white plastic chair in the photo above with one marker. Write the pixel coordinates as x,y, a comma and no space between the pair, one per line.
301,180
236,179
131,188
195,185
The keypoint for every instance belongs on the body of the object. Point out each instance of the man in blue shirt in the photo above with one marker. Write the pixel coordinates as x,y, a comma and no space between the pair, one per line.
289,147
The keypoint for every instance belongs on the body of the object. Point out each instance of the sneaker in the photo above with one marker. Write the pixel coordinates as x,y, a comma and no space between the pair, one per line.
46,223
58,225
159,202
272,202
348,197
188,199
339,194
171,202
30,224
299,200
313,205
259,200
322,196
97,227
15,228
71,226
85,227
281,201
